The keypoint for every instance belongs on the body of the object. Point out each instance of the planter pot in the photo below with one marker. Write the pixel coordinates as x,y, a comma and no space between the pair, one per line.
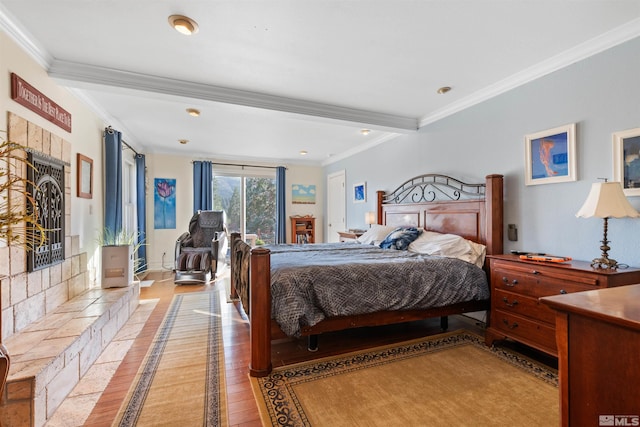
117,266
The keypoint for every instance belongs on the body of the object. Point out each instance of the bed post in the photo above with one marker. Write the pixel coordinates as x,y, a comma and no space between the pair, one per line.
494,214
234,292
260,312
380,194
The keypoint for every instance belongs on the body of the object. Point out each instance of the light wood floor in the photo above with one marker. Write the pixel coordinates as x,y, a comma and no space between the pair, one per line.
241,405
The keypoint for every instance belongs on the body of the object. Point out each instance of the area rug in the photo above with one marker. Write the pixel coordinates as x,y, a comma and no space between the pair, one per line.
181,381
448,380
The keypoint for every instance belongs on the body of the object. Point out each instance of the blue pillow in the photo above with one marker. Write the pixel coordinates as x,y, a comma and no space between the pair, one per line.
400,238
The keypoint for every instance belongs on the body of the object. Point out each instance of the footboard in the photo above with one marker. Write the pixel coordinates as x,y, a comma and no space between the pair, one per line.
240,261
251,281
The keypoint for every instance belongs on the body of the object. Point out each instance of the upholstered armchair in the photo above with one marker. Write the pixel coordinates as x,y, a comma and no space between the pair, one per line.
200,253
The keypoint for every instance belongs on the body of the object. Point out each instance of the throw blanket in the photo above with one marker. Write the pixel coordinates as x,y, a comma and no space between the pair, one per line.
312,282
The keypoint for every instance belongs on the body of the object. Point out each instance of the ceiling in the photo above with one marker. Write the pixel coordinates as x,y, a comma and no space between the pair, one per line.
272,78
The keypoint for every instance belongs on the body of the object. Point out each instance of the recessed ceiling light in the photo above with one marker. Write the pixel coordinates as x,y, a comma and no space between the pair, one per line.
365,131
183,141
303,153
183,24
444,89
193,112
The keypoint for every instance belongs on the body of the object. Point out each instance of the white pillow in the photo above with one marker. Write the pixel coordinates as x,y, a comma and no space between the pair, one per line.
450,246
375,234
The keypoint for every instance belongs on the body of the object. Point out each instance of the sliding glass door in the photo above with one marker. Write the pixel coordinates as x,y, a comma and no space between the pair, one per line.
249,200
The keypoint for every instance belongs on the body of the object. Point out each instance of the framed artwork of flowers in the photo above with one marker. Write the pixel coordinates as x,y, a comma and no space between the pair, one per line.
164,203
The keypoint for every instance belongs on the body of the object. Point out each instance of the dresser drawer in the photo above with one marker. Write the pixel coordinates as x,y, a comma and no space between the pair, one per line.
517,285
538,271
526,330
522,305
536,285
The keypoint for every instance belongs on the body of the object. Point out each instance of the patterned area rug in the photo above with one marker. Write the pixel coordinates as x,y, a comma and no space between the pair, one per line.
448,380
181,381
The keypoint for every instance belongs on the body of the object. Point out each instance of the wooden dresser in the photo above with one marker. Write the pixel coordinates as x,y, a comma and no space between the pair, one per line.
598,335
517,285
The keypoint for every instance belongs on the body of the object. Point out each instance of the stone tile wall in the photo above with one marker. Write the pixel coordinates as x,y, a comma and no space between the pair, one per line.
26,297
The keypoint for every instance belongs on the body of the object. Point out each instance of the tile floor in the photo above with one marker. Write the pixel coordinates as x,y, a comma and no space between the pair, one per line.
78,405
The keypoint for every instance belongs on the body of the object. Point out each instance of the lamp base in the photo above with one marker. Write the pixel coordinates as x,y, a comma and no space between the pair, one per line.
604,263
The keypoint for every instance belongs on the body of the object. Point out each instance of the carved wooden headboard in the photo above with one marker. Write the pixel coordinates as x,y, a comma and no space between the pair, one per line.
446,205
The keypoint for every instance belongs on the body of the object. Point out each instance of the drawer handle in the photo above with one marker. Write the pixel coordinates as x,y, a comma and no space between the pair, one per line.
562,291
512,284
508,304
512,326
535,272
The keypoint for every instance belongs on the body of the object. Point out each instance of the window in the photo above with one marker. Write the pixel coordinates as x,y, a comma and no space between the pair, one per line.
249,201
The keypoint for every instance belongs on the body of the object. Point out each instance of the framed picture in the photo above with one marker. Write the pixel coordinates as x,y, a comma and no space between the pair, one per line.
303,194
164,203
626,160
85,176
360,192
550,156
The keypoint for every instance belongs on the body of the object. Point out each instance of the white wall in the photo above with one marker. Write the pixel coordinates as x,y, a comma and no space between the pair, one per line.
163,241
307,176
180,168
601,94
86,138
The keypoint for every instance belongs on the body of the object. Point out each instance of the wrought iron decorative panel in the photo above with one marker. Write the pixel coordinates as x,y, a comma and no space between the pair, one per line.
46,177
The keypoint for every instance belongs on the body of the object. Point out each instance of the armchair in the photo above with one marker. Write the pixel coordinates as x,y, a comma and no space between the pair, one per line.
200,253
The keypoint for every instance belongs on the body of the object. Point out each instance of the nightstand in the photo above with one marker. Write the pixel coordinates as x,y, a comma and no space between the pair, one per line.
348,236
517,285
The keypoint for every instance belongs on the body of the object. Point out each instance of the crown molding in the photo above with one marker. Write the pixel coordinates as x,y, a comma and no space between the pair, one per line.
584,50
72,73
23,38
362,147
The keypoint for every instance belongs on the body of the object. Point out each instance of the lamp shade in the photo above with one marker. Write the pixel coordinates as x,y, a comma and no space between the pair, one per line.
607,200
370,218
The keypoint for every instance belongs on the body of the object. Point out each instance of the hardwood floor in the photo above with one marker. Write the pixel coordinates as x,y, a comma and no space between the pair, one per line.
241,405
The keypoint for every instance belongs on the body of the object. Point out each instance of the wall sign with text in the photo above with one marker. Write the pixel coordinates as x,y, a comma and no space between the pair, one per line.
28,96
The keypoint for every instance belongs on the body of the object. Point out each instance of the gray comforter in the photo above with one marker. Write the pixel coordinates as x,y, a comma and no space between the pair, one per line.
312,282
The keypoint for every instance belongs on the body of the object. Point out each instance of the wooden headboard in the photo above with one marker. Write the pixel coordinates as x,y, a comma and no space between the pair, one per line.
446,205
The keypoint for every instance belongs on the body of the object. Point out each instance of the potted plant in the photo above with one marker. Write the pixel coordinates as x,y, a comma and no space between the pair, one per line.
18,226
118,257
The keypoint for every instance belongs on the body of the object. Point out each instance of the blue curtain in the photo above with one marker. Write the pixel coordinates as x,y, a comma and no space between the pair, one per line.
281,226
202,191
141,204
112,181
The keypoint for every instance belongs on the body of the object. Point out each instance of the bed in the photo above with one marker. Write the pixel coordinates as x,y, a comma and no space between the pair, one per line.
434,203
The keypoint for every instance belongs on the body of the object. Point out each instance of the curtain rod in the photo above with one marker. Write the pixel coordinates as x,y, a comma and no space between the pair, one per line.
243,166
130,148
111,130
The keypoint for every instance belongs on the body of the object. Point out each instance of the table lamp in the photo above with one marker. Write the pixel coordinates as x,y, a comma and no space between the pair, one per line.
370,218
606,200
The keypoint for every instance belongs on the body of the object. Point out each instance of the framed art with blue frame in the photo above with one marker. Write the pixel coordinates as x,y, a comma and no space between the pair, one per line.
626,160
550,156
360,192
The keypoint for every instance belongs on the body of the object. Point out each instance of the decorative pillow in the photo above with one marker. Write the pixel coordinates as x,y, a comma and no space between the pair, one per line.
449,245
375,234
400,238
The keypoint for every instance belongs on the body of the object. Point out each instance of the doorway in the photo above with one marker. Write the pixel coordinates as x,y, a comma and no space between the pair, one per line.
336,205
